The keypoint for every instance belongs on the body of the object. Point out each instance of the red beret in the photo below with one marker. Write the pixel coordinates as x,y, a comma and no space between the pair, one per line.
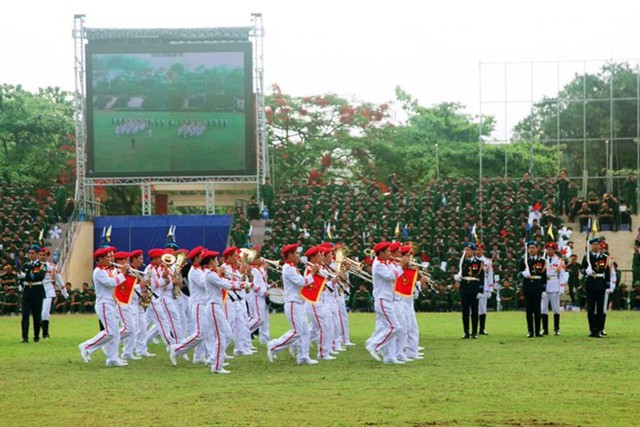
405,249
381,247
230,250
156,253
289,248
135,254
324,249
604,245
197,251
326,244
314,250
210,254
99,253
121,255
479,246
45,251
551,245
368,260
394,246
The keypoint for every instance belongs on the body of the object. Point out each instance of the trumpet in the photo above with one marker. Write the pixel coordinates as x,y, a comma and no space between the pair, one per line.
357,268
131,269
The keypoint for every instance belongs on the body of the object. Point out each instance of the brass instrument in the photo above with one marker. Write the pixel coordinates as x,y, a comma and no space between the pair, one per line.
174,263
131,269
357,268
249,255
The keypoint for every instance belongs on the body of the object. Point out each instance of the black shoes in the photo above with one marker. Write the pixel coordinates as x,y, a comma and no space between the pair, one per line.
24,341
556,332
539,335
530,335
545,332
466,336
484,333
474,336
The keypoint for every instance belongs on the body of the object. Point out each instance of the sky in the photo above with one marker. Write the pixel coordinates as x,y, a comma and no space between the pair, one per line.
437,51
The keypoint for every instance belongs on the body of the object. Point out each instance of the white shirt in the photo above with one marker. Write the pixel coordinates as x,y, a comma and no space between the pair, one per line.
556,274
197,288
160,286
105,280
260,285
384,279
293,283
215,284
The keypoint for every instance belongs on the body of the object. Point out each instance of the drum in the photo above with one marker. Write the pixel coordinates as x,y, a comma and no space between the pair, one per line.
276,296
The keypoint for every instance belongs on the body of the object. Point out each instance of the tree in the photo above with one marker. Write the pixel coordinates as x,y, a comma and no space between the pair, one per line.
36,134
589,110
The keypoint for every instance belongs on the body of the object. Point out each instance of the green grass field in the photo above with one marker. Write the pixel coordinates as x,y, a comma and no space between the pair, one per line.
502,379
163,151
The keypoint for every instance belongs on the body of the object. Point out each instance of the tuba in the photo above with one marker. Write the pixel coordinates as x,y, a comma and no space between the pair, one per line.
174,263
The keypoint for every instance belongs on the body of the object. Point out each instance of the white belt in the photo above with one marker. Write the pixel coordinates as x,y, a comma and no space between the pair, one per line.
475,279
34,283
535,277
599,275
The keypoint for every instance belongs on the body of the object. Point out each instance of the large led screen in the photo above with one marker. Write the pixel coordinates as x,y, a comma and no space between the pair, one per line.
157,109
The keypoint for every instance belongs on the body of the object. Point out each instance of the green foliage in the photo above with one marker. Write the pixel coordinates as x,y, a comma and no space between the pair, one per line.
35,134
582,114
503,379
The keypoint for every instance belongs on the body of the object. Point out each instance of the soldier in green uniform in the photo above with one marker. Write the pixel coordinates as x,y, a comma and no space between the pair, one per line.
362,299
59,303
75,304
266,194
11,301
573,269
238,236
508,296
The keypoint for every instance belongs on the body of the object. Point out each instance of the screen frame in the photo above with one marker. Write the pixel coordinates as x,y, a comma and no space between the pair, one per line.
123,46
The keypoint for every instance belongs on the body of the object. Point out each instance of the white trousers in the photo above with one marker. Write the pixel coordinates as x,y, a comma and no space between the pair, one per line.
129,319
202,326
403,319
109,338
552,298
259,316
298,335
387,329
46,308
321,328
165,315
482,305
219,335
141,331
344,321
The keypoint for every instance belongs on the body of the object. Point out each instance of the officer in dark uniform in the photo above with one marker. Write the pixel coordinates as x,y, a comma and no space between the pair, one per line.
33,294
471,278
597,272
533,270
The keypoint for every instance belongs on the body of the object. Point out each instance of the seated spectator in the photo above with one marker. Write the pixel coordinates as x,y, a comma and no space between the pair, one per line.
605,217
59,304
11,301
426,299
75,304
89,301
635,297
507,296
442,299
625,216
253,210
362,299
583,214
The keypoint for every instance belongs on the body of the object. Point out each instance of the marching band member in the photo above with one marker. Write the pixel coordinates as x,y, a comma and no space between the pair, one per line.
218,286
471,278
328,300
337,306
534,278
556,282
136,260
315,294
407,288
298,334
52,275
257,300
401,338
163,311
388,326
237,309
199,295
488,288
105,281
127,311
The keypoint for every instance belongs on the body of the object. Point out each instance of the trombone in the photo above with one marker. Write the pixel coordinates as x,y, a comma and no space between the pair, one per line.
357,268
131,269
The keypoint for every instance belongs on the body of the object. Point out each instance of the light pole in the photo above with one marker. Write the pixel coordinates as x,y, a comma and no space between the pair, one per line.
437,164
606,166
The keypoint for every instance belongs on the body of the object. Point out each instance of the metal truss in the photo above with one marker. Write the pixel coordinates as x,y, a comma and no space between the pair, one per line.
262,154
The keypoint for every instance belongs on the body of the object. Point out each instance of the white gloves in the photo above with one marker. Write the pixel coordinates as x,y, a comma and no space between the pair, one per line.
457,277
480,296
526,274
487,295
608,291
544,294
589,271
562,287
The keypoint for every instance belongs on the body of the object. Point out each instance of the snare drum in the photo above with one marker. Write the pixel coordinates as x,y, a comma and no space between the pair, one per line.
276,296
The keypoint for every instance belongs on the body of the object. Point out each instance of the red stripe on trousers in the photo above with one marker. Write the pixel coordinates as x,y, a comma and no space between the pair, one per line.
295,330
164,335
173,327
389,321
197,335
215,323
315,313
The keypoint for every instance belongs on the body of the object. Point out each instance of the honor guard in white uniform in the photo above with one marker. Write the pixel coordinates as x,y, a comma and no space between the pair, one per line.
105,281
52,281
388,326
556,282
488,288
293,282
604,247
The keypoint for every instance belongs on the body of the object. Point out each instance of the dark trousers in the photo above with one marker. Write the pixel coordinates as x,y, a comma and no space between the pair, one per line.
532,303
595,307
469,306
32,305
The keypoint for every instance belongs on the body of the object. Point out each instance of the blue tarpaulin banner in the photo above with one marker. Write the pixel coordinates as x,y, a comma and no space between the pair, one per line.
147,232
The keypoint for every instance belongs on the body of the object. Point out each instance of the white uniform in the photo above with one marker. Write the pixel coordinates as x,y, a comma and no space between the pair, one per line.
321,321
258,304
163,309
238,316
200,306
294,309
220,334
49,288
128,314
488,285
388,326
556,282
105,280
